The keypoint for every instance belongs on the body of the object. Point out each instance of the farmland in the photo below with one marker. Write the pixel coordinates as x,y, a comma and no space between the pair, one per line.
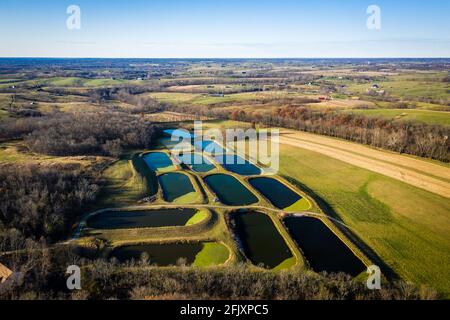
363,159
426,116
396,220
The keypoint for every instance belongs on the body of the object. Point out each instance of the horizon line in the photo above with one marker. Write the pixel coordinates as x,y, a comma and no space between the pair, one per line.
219,58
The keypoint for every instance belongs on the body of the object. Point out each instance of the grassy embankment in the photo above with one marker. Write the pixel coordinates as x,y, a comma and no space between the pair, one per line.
213,253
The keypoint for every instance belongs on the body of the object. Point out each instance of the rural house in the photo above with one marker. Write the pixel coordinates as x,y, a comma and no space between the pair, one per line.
5,273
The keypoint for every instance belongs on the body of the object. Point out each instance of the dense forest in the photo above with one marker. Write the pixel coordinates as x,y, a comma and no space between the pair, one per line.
81,133
41,202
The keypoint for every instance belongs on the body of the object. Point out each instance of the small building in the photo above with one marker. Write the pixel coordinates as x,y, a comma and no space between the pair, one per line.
5,273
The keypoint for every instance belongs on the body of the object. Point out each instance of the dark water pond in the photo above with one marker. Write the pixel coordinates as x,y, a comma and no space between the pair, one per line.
229,190
157,160
159,254
140,219
175,185
261,240
237,164
196,162
168,143
322,248
277,193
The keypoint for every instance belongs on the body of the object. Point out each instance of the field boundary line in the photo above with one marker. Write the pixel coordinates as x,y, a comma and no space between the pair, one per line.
417,164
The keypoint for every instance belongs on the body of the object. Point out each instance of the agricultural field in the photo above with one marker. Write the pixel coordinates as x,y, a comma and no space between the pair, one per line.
419,115
398,221
388,214
411,86
363,169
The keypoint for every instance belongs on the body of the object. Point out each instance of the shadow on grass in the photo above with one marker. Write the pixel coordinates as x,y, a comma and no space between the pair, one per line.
148,175
327,209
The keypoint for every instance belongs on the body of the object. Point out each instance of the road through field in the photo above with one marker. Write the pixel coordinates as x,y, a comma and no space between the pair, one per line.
422,174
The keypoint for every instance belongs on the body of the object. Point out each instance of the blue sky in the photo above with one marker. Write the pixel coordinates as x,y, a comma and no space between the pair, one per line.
224,28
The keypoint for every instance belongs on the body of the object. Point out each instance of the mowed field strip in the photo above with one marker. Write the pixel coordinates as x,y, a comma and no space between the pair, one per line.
422,174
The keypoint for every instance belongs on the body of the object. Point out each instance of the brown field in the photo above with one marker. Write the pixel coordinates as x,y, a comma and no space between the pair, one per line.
422,174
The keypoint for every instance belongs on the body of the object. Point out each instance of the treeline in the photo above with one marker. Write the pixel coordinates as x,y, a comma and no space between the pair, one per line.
81,133
108,280
137,101
134,97
428,141
404,137
40,202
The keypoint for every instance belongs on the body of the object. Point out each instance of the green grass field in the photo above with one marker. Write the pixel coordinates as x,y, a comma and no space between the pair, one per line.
189,198
205,99
4,115
72,82
126,181
425,116
122,187
197,218
301,205
285,264
213,253
410,86
14,152
406,226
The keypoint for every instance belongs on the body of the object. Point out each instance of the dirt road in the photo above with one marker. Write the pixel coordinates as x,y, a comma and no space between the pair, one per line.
422,174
